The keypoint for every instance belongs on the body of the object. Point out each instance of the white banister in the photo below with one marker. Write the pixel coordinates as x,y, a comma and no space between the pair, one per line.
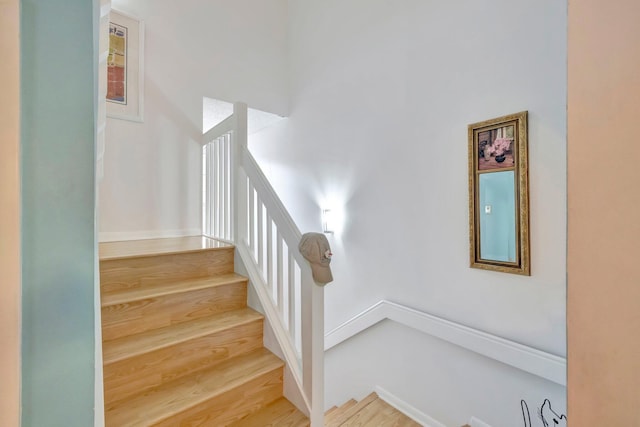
240,206
223,128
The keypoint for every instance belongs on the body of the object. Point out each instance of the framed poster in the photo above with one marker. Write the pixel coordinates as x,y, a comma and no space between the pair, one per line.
125,71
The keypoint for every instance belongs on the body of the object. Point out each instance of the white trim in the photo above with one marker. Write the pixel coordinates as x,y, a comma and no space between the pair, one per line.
407,409
529,359
118,236
475,422
222,128
358,323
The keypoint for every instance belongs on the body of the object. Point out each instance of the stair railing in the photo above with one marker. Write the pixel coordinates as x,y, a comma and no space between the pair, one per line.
240,206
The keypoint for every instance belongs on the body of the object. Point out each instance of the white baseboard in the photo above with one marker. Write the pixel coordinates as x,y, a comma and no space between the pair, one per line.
358,323
475,422
407,409
118,236
528,359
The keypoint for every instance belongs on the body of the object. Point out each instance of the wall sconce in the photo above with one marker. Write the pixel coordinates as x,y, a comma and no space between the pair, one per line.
328,221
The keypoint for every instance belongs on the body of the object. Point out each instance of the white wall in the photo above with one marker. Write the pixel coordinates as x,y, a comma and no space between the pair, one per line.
381,95
443,381
382,92
225,49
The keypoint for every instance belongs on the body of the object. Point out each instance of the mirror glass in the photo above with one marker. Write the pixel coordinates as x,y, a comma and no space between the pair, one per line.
497,216
498,194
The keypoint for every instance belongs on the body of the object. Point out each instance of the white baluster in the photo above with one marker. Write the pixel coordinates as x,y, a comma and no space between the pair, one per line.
221,185
216,189
292,294
229,200
270,254
260,230
252,219
279,275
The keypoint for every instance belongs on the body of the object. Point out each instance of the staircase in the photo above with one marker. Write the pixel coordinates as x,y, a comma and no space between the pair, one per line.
369,412
180,345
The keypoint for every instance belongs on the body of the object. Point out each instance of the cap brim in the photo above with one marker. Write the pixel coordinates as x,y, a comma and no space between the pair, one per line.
321,274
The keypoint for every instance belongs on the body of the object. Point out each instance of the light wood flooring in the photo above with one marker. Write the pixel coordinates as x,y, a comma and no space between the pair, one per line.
151,247
369,412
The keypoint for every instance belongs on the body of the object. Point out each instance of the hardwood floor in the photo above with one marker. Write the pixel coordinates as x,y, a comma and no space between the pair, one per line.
369,412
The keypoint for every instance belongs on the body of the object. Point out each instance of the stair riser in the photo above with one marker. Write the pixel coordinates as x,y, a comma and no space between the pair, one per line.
232,405
126,273
133,375
125,319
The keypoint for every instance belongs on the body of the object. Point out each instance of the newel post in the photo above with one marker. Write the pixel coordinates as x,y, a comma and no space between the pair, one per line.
317,394
240,211
313,347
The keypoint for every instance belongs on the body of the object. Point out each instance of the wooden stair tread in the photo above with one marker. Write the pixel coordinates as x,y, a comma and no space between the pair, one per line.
172,398
280,413
349,403
375,410
369,412
170,288
379,414
133,345
329,412
331,415
153,247
345,415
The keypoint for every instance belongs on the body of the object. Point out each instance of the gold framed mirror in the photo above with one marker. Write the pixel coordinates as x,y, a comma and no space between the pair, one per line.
499,195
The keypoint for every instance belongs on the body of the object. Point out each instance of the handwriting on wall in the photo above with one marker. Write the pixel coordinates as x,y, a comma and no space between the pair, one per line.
548,417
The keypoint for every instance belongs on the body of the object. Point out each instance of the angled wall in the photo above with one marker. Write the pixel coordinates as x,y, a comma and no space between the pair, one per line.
58,98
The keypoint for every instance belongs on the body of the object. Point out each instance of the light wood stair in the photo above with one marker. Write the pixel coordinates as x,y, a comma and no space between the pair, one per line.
369,412
180,345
